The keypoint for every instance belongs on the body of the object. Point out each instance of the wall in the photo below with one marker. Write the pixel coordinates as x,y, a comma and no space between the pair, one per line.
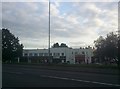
69,53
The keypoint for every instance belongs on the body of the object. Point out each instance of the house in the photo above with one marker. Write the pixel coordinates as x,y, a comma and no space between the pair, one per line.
58,55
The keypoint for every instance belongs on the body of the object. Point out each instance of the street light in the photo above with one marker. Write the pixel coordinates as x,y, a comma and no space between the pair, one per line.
49,36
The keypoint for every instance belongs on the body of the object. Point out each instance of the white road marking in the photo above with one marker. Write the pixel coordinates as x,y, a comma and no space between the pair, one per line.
109,84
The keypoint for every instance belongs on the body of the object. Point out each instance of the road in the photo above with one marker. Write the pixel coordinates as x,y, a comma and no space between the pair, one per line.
22,76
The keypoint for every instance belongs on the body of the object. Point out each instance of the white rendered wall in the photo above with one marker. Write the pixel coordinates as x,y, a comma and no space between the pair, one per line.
68,52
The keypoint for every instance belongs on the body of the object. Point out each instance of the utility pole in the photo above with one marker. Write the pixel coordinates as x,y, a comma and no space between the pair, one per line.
49,59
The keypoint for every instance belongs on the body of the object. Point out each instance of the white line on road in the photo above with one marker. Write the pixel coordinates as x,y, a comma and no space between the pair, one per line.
81,80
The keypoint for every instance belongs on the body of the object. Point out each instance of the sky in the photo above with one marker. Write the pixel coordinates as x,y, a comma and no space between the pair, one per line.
77,24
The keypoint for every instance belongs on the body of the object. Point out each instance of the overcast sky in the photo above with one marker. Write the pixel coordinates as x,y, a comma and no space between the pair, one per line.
77,24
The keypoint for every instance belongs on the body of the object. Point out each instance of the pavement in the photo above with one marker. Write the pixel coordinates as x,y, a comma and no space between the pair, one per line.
36,76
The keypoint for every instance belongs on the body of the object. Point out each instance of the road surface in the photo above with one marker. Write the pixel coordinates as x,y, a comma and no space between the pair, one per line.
22,76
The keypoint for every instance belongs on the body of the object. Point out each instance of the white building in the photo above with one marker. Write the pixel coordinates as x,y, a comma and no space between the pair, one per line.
59,55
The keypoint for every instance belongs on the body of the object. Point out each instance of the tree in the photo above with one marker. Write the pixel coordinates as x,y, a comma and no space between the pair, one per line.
111,46
11,48
107,48
63,45
99,52
55,45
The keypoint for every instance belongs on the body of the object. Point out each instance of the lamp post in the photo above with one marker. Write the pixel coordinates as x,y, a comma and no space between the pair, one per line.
49,59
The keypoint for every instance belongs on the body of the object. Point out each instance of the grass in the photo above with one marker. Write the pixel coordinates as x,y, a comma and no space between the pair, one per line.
103,66
113,66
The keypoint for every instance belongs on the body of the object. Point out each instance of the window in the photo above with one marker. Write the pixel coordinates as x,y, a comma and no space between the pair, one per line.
83,52
35,54
25,54
50,54
45,54
40,54
56,54
72,52
62,54
76,52
30,54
